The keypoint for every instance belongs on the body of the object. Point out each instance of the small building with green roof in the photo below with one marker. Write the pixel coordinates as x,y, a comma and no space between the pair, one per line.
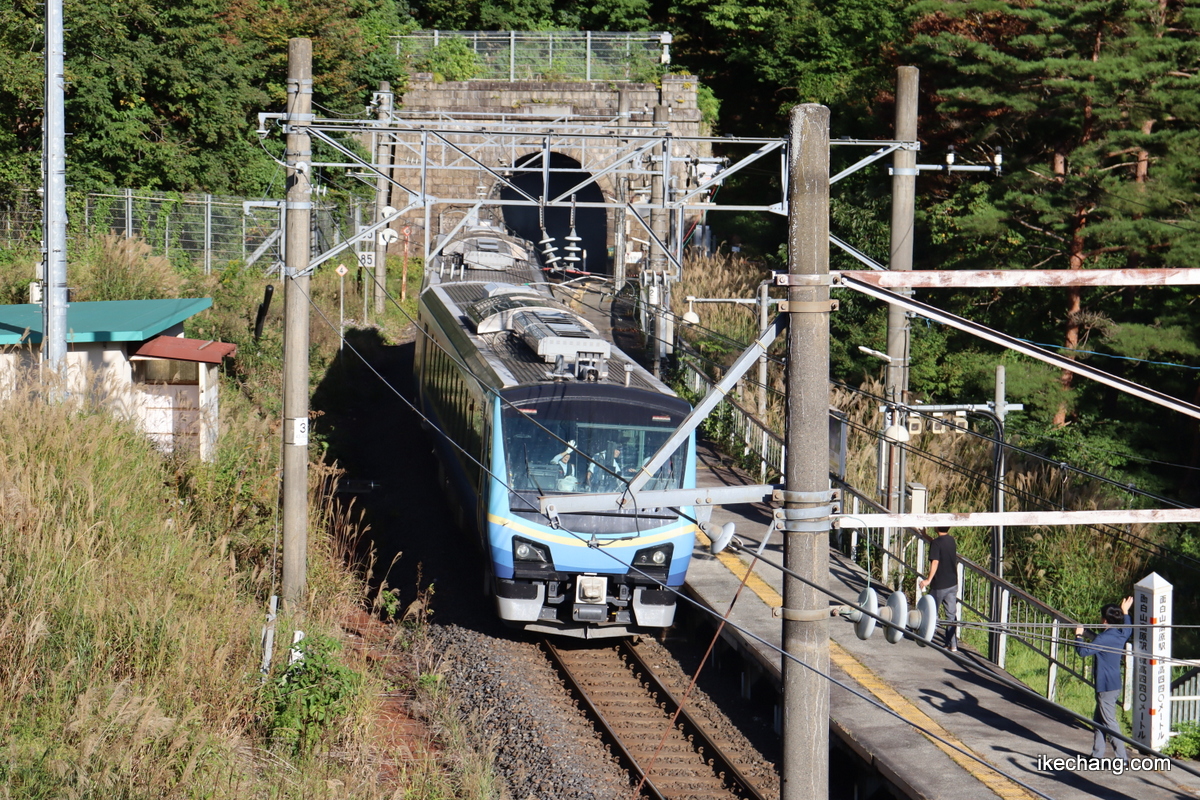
134,352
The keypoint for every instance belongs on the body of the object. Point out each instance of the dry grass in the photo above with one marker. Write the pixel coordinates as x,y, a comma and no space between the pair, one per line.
134,585
115,268
134,588
111,679
1074,569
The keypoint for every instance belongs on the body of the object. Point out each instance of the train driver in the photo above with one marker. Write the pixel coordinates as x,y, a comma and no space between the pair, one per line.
610,459
567,481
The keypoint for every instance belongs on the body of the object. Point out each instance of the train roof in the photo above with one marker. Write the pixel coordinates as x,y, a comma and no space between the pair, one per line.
498,307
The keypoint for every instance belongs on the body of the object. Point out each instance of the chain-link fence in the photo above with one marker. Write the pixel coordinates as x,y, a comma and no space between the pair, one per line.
210,230
543,55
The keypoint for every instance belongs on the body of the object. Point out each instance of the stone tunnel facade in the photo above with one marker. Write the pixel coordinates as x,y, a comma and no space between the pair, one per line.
487,107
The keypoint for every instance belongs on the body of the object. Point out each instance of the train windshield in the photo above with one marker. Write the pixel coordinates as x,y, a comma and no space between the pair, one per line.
611,441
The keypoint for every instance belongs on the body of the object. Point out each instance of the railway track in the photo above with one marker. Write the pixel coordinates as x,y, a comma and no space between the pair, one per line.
633,710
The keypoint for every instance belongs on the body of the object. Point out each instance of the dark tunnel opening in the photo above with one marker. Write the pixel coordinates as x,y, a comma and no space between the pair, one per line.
591,224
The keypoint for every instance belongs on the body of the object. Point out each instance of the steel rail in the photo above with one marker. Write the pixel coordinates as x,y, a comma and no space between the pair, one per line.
708,748
607,730
700,739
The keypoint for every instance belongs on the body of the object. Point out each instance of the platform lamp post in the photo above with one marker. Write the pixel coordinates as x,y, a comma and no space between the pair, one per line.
995,412
890,463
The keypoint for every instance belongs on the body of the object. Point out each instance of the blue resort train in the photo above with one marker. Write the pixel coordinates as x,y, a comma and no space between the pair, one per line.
529,399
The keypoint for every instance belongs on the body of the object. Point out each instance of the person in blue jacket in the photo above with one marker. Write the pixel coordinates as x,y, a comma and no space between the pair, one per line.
1108,647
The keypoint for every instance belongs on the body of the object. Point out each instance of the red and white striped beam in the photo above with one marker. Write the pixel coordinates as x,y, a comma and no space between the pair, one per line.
955,278
1009,519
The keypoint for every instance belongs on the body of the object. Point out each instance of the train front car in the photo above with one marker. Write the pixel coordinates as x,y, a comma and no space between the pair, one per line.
531,399
597,574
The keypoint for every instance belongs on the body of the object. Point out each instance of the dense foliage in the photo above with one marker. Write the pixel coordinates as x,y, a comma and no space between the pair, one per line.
165,95
1092,104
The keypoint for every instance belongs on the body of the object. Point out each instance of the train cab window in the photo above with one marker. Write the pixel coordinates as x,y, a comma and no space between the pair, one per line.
612,441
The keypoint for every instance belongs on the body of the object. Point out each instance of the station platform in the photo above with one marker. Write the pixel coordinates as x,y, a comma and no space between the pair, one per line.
960,698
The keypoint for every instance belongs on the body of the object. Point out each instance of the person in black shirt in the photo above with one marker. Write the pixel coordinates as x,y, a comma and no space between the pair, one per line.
943,581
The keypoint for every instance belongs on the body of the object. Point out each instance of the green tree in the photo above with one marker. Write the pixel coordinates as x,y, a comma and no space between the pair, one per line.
351,48
164,95
512,15
764,56
20,95
159,97
1092,104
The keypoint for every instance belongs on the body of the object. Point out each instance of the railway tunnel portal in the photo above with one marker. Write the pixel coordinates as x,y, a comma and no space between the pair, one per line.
538,153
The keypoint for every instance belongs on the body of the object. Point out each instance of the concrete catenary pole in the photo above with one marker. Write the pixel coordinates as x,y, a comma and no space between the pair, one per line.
904,189
904,194
658,224
383,161
54,344
296,321
807,498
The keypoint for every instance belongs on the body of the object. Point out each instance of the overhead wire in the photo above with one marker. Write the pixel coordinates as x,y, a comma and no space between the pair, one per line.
1127,536
1106,355
680,595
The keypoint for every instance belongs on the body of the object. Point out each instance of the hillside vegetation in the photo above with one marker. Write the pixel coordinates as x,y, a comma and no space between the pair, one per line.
135,590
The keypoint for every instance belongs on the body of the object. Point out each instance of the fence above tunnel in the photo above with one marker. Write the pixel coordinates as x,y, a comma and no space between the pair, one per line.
545,55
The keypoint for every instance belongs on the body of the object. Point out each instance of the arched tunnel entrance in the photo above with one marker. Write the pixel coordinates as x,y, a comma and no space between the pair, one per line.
591,224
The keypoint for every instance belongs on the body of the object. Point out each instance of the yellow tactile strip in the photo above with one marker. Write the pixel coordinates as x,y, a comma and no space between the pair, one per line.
993,780
990,778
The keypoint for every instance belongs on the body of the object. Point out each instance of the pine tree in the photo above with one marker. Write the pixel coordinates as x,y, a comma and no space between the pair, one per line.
1093,105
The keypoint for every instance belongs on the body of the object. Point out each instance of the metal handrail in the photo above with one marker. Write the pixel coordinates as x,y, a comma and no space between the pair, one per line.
1017,604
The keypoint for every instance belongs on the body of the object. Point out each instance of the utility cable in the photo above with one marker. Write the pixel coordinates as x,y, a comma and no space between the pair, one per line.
710,612
1106,355
1126,537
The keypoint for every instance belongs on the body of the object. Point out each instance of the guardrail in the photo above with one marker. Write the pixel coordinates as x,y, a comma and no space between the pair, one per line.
737,427
1029,631
1017,618
1185,693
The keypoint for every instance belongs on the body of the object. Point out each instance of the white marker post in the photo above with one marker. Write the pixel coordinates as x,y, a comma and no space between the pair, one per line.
341,271
1152,652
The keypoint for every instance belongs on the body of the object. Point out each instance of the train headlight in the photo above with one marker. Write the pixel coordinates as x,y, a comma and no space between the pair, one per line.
528,551
653,556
